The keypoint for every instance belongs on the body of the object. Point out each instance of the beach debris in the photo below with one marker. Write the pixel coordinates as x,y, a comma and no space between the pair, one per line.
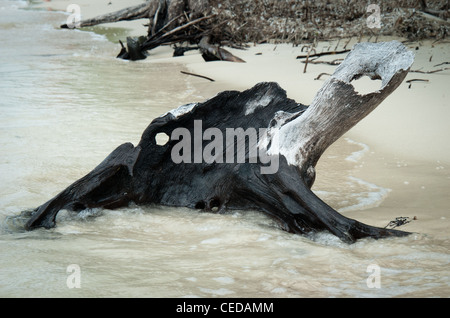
211,52
197,75
236,23
320,75
333,62
310,49
443,63
415,80
323,54
272,174
399,221
430,72
171,22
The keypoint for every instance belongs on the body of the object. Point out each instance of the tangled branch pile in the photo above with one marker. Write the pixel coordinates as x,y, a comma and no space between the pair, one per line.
294,21
231,22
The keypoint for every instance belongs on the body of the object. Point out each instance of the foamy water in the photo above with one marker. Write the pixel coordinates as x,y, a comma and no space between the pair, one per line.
66,103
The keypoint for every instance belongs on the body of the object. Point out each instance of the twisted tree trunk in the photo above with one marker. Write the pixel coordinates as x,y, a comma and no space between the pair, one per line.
276,179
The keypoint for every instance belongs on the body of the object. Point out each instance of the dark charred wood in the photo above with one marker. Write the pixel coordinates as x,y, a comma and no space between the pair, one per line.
197,75
293,135
176,35
123,54
179,50
323,54
212,52
134,50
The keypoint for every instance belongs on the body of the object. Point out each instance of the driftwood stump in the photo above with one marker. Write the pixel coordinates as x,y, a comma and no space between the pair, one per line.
207,165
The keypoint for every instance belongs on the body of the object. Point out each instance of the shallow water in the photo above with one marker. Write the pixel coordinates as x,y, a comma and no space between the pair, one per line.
66,103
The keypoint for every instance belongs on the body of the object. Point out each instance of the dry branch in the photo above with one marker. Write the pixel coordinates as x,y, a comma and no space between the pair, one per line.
430,72
197,75
212,52
320,75
323,54
277,21
444,63
415,80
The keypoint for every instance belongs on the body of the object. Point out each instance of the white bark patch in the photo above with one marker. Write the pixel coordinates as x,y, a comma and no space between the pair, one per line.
183,109
251,106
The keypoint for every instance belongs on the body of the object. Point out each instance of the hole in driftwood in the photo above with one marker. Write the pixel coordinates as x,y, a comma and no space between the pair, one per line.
200,205
162,139
78,207
365,85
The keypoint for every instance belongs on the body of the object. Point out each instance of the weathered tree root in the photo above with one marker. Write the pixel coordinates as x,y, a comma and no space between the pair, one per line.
294,137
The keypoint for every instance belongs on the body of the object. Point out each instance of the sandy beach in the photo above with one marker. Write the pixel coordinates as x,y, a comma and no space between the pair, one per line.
406,135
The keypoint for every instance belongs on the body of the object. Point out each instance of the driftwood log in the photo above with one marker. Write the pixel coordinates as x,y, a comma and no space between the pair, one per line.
160,13
196,168
170,22
212,52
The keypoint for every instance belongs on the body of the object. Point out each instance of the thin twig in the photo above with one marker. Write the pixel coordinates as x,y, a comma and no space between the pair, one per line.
337,44
201,76
322,54
181,27
444,63
415,80
399,222
345,46
430,72
307,58
320,75
163,28
333,62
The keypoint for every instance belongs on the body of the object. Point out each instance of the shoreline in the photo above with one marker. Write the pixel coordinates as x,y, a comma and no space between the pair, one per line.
90,9
407,149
